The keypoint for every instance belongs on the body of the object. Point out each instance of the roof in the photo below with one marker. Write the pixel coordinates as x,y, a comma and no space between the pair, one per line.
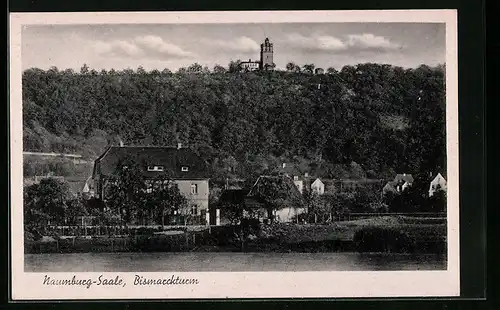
404,177
317,181
438,177
171,158
290,170
234,196
390,186
265,190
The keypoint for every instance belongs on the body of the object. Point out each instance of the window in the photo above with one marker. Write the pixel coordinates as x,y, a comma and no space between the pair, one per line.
194,189
155,168
194,210
184,169
295,178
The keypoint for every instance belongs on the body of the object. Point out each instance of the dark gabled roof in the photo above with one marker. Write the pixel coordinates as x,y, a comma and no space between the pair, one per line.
404,178
263,190
171,158
233,196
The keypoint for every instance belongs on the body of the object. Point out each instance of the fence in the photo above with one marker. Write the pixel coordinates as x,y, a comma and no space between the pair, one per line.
326,218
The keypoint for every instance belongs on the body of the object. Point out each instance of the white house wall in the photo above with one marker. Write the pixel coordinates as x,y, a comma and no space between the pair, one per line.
200,199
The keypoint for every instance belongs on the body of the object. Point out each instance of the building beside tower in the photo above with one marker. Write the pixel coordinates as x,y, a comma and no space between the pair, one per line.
266,62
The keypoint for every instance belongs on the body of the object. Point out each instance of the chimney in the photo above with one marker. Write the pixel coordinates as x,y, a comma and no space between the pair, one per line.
121,142
284,165
179,146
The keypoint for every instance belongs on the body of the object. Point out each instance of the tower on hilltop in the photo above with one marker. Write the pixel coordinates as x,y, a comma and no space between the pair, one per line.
266,55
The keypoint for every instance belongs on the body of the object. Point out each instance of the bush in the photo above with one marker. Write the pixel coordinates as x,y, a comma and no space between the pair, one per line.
383,239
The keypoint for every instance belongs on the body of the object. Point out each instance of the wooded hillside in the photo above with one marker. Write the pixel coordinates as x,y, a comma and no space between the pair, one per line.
386,119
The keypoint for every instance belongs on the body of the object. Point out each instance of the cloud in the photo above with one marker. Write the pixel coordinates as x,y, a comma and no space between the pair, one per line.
148,46
242,44
350,43
316,43
370,41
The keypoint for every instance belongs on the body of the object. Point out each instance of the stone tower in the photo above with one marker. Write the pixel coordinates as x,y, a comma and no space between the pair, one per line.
266,55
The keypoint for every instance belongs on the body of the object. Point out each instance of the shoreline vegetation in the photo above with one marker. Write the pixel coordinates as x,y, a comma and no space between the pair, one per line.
385,234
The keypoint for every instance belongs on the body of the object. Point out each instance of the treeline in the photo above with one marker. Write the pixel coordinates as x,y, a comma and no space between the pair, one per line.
382,117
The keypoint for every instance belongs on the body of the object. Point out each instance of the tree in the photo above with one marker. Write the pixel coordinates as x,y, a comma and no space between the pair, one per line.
308,68
76,208
331,70
234,66
317,206
165,198
290,67
219,69
125,190
46,201
278,192
382,117
84,69
356,171
195,68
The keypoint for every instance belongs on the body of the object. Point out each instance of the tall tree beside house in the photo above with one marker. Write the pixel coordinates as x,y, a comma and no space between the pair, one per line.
234,66
165,198
125,193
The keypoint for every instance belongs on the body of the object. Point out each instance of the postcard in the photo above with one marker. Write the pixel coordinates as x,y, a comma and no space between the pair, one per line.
209,155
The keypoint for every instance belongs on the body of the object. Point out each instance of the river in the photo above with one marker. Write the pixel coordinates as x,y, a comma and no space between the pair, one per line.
219,262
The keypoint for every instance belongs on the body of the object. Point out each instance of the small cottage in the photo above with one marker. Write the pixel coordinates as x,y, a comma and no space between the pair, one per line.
438,183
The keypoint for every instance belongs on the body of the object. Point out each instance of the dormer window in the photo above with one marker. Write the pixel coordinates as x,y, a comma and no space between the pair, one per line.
155,168
184,169
295,178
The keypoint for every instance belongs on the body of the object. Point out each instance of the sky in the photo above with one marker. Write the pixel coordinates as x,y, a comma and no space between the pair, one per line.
173,46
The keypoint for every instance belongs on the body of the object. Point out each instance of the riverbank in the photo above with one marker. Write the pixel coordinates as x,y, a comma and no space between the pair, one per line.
385,234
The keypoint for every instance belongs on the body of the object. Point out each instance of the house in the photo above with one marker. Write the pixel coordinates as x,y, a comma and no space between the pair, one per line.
270,198
400,183
275,197
438,183
403,181
318,187
249,65
182,165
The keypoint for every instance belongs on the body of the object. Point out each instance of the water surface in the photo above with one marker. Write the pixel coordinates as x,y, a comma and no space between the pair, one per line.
220,262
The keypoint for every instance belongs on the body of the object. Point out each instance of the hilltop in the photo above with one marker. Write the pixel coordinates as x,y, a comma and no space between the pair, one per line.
381,117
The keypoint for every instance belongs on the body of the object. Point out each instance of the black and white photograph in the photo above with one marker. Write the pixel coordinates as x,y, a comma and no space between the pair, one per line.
171,151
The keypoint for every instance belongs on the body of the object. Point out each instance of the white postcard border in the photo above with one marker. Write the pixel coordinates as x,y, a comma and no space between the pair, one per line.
28,286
